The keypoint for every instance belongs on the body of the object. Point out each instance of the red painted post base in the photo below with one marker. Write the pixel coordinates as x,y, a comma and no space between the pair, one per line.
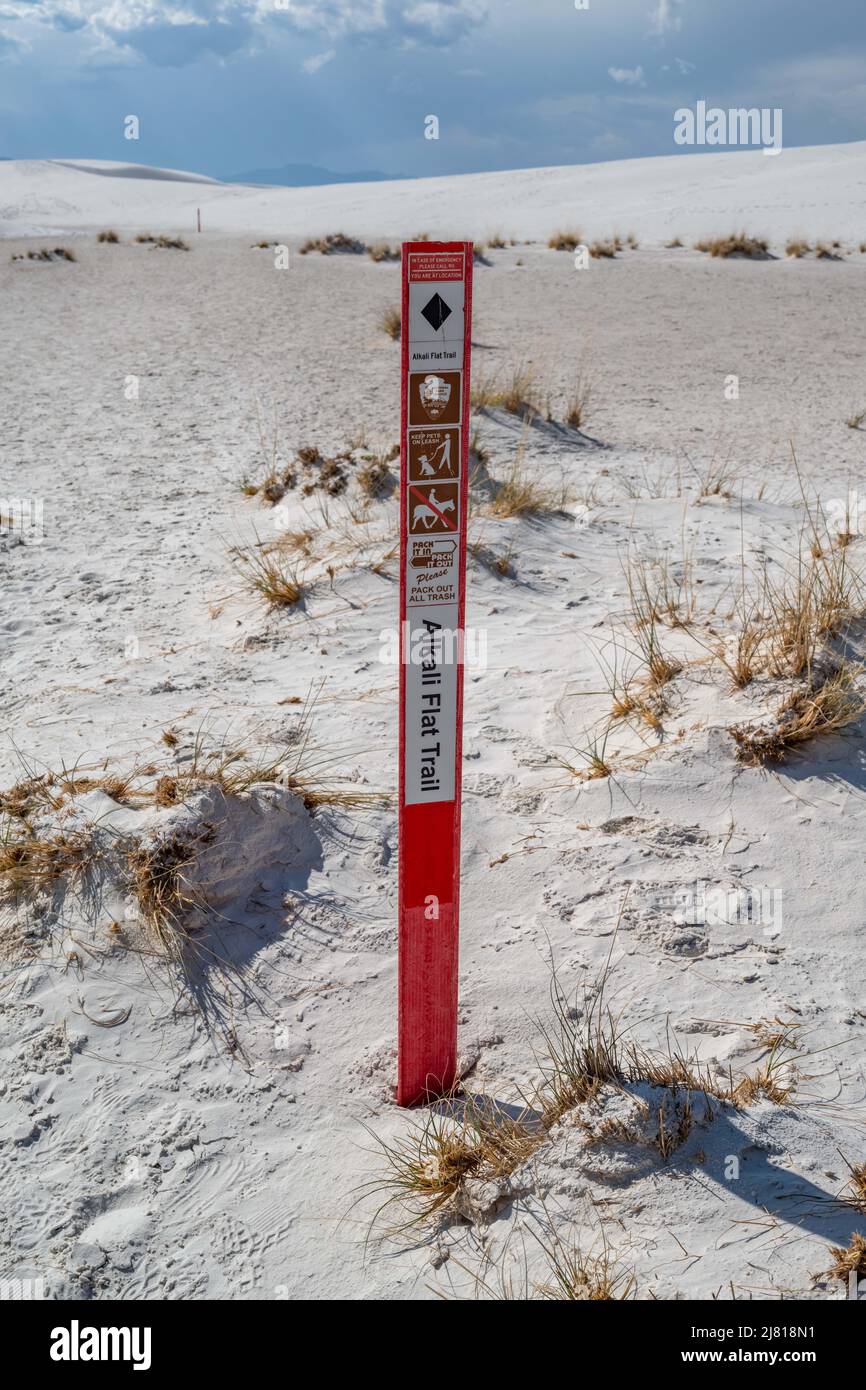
427,1004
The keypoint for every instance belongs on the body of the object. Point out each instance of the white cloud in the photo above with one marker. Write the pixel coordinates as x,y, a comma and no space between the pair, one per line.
172,32
630,76
318,60
663,19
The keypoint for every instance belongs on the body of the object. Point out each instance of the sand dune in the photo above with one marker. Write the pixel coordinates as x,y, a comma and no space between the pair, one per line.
168,1136
815,191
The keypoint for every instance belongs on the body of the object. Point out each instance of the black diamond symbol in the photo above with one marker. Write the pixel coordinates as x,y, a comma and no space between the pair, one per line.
436,312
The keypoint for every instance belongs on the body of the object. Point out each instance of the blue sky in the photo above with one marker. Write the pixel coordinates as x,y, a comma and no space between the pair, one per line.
223,86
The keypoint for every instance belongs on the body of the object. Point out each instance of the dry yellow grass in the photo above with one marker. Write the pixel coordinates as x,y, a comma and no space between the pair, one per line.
850,1260
565,240
156,875
604,250
738,244
109,238
334,242
521,493
822,707
375,479
271,575
515,391
381,251
577,405
390,322
30,861
796,248
584,1050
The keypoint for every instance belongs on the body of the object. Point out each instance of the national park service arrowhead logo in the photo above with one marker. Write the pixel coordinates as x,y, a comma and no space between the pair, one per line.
435,395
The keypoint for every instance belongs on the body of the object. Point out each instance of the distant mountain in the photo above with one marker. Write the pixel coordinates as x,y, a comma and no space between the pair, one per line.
307,176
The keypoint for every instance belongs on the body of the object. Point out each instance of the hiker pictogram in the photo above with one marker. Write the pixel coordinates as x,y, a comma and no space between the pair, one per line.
434,454
432,508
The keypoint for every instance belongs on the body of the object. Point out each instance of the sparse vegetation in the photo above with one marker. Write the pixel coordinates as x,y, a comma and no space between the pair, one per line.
823,706
271,575
375,478
517,393
850,1260
855,421
390,321
381,251
109,238
738,244
604,250
520,493
59,253
674,244
336,243
796,248
585,1055
577,405
565,240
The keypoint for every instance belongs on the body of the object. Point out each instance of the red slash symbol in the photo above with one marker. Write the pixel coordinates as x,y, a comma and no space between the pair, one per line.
429,509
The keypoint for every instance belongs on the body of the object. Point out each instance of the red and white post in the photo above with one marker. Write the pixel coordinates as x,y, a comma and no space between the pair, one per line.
434,483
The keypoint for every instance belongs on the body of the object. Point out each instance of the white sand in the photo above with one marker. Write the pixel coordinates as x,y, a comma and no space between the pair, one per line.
150,1159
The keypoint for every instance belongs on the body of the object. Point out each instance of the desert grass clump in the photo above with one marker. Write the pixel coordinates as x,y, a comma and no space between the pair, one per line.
59,253
426,1169
31,860
375,479
381,251
109,238
674,244
390,322
495,562
648,603
604,250
828,252
855,421
856,1187
335,243
496,242
849,1260
796,248
170,243
156,871
517,393
576,1277
632,242
270,575
565,240
738,244
145,238
823,706
578,403
520,493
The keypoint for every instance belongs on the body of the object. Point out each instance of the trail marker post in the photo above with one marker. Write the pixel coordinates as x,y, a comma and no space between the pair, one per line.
434,484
